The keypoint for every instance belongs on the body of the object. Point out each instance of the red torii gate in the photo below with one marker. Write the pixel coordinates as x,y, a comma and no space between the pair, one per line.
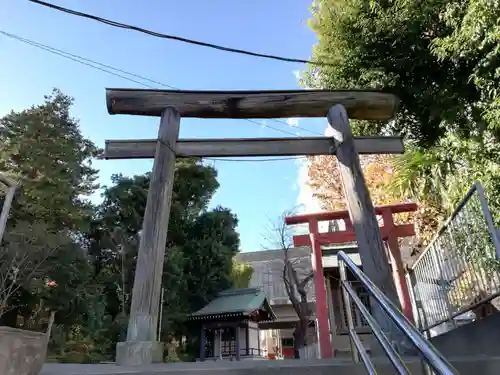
390,233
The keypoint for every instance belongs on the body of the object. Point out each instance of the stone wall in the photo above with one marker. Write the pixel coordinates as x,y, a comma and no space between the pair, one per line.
21,352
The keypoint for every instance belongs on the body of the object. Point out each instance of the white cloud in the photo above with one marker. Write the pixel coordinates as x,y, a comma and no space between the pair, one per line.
305,200
293,121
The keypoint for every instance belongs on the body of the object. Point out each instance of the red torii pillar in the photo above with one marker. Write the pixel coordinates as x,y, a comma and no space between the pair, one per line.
390,232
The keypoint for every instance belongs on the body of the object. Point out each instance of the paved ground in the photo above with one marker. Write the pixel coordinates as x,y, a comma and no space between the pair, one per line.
465,365
187,367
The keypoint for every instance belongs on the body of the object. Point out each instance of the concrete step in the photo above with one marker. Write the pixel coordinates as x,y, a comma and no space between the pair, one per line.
465,366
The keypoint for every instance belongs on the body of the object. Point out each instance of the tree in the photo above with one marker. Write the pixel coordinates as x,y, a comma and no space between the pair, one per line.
474,39
43,149
296,279
442,175
241,274
62,254
46,275
386,177
389,46
23,258
200,248
324,179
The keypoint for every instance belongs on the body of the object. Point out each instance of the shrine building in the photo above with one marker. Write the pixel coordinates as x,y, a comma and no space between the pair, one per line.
229,325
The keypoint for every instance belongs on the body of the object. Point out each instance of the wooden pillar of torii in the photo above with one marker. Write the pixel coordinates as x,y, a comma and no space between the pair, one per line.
390,233
142,346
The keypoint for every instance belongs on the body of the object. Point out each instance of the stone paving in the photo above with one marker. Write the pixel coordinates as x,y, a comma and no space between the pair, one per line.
482,365
218,367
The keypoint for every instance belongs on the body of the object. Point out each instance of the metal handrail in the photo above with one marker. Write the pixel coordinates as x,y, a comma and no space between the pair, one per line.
431,355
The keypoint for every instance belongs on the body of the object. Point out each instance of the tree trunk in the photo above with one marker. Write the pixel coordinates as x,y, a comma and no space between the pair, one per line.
50,324
300,335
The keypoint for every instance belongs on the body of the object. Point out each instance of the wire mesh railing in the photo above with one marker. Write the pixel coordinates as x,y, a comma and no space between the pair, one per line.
430,355
459,270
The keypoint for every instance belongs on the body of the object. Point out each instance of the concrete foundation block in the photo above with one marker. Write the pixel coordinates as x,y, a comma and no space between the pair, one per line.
21,352
139,353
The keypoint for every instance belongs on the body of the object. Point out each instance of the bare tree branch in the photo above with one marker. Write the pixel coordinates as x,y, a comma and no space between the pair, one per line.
25,250
296,285
306,279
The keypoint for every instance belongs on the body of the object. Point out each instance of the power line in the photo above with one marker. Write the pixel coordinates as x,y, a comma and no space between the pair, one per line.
256,160
233,159
68,56
173,37
77,59
271,127
106,69
298,127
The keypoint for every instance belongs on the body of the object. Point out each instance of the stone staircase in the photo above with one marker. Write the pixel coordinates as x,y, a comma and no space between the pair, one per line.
476,365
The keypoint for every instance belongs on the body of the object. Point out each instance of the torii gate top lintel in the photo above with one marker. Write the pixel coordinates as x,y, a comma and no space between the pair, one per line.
388,227
338,215
359,104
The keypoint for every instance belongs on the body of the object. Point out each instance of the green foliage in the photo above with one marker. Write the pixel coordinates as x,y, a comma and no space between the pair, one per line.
42,148
241,275
390,45
474,40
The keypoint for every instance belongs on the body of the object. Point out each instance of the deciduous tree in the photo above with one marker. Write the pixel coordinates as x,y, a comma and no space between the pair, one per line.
296,278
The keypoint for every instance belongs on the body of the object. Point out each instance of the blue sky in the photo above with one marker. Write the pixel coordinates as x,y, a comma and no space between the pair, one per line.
255,191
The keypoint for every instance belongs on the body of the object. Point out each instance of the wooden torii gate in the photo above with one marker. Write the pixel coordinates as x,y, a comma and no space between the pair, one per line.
390,233
142,346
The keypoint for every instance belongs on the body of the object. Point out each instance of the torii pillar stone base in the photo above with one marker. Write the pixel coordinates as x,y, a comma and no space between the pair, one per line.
137,353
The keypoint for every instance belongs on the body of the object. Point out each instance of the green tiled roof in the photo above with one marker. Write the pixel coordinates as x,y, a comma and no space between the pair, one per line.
236,302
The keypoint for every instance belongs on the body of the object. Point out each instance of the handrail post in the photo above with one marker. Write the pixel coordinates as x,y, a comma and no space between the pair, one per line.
348,311
489,219
438,261
410,281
